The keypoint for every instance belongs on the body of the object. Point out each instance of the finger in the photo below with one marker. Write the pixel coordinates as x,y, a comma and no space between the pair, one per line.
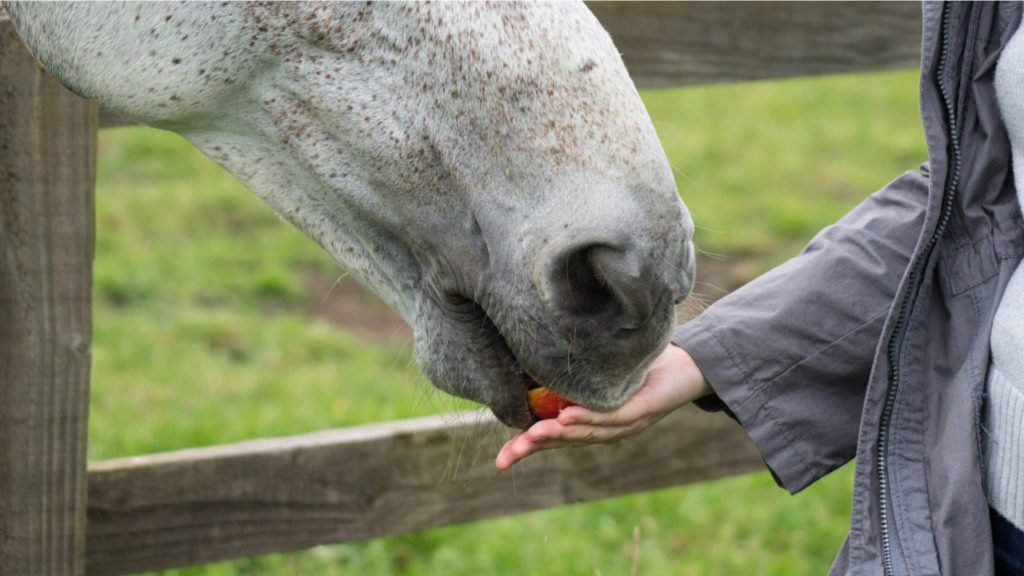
574,415
550,434
554,434
539,437
513,451
625,415
522,446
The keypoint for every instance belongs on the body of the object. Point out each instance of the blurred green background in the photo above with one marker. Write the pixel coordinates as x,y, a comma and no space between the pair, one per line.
216,322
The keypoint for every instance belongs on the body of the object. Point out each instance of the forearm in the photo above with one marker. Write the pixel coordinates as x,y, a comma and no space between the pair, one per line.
789,354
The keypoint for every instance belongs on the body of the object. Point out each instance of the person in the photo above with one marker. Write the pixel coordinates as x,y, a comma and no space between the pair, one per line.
896,336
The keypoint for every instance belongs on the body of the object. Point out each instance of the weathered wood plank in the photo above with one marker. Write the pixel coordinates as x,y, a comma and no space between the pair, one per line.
47,173
682,43
263,496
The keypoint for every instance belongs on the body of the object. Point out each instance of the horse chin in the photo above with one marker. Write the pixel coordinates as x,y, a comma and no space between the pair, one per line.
612,397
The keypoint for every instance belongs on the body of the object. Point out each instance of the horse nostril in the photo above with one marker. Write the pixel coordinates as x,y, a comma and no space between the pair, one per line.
605,284
584,289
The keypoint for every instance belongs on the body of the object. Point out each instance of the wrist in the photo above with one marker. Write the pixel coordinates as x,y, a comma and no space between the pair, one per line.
690,374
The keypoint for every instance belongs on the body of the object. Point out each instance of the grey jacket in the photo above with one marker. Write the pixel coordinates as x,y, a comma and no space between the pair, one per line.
874,342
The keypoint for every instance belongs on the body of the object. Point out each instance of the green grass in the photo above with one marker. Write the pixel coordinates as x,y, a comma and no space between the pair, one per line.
201,336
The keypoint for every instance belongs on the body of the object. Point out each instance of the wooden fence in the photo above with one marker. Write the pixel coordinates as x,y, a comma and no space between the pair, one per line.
59,516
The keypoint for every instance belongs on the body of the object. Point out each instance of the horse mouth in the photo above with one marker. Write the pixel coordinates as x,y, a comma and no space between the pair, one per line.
502,353
501,372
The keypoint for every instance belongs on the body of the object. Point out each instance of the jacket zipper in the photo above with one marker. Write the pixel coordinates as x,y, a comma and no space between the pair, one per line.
899,331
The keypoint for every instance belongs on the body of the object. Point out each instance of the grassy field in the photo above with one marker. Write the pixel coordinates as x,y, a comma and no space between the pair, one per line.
203,333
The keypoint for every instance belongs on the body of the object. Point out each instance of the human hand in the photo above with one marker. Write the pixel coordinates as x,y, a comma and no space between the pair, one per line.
672,380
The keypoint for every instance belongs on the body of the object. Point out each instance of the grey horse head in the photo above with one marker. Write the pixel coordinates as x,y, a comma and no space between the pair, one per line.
488,169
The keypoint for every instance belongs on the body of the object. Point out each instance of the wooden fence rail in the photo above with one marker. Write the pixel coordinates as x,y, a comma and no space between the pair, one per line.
281,494
685,43
231,501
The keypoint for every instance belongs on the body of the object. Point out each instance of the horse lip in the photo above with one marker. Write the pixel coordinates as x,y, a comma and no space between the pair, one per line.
515,411
513,408
509,405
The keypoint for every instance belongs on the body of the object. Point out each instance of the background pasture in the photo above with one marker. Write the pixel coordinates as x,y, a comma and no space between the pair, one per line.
217,322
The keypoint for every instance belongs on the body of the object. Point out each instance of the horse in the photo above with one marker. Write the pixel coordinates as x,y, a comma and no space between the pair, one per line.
488,169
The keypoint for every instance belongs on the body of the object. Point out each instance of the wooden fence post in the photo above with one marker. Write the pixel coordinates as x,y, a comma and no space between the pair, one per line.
47,173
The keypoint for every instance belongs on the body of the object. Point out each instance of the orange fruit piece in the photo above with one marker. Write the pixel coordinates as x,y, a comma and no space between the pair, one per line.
546,404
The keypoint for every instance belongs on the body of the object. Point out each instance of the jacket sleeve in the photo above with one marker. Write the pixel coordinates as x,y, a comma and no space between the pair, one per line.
789,354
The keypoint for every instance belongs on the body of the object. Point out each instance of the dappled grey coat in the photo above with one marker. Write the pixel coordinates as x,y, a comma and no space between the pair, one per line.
874,341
